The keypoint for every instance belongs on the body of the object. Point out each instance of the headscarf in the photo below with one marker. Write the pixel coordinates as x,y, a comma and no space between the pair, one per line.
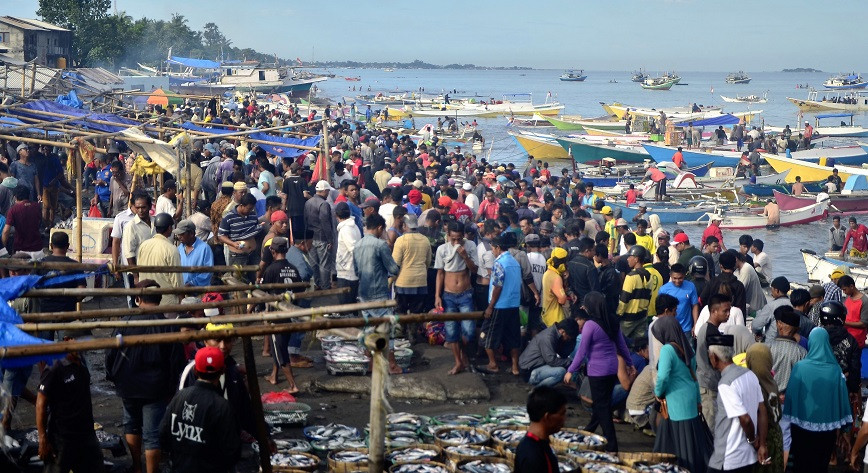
759,360
817,392
558,260
743,338
596,307
667,330
654,221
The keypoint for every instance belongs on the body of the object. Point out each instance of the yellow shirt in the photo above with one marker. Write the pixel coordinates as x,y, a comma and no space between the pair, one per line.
553,297
656,284
647,241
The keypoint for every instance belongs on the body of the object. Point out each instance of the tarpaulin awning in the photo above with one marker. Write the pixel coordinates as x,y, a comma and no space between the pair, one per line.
11,122
160,152
193,127
726,119
833,115
285,152
190,62
28,109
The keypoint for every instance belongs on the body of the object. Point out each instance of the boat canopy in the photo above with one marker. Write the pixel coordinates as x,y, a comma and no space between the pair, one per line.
833,115
726,119
198,63
855,183
853,77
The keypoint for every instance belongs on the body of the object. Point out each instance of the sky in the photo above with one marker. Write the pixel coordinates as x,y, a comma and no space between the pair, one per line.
686,35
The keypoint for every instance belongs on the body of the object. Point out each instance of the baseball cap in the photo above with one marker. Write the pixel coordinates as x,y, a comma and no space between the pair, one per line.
279,244
467,186
370,202
209,360
532,240
278,215
840,271
417,184
183,227
212,297
444,201
323,186
621,223
411,221
606,210
681,238
240,186
21,146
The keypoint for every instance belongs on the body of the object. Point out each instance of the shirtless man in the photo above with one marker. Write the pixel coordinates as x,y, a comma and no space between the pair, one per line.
455,262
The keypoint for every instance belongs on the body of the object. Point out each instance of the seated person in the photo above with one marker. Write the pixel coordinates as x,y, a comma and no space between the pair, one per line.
545,360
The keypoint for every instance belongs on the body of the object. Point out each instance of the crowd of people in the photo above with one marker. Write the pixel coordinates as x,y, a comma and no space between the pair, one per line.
649,327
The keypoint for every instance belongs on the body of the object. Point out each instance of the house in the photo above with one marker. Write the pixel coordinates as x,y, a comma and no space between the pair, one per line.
24,40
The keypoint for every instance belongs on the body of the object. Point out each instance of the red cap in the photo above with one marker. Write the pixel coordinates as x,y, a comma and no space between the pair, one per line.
681,238
209,360
414,196
444,201
278,215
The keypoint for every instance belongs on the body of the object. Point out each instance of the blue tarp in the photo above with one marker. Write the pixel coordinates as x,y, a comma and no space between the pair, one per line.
714,121
10,122
70,100
833,115
53,107
192,127
285,152
200,63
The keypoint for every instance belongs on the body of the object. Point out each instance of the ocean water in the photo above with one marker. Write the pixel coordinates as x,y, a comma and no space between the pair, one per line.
583,98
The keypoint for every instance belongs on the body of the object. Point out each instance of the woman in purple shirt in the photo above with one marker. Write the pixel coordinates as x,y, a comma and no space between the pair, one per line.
602,343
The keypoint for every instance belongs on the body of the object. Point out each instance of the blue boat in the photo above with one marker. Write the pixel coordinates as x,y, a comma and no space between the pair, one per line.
767,190
667,214
693,158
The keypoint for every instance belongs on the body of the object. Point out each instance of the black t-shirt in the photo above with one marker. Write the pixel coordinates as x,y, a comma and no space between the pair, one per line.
281,272
545,215
67,387
534,455
61,304
294,187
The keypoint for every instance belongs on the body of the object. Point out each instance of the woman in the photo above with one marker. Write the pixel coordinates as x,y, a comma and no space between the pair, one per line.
602,342
816,405
553,295
120,192
656,226
759,360
683,433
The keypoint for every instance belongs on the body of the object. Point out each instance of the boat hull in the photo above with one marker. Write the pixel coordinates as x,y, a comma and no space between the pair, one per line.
667,215
738,81
664,86
813,213
837,203
768,190
586,153
820,267
693,158
574,79
810,171
540,147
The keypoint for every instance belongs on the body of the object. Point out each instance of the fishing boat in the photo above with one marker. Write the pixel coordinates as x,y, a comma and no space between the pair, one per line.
353,79
676,113
745,99
658,83
639,76
577,123
536,121
768,190
819,268
846,81
811,171
837,202
584,152
738,78
669,214
388,69
451,112
246,77
720,158
591,131
539,145
732,221
843,130
574,76
841,100
510,104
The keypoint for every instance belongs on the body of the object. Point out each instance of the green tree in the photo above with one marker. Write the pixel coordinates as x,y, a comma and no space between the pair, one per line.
83,17
214,41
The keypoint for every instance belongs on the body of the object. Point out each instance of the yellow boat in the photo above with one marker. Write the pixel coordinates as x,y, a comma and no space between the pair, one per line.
540,146
808,171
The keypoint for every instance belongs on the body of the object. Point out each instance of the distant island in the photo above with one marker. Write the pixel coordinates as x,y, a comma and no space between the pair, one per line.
802,69
417,64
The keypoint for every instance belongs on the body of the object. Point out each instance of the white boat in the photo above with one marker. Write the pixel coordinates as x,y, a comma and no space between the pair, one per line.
733,221
737,78
834,100
745,99
732,181
820,267
846,81
432,112
510,104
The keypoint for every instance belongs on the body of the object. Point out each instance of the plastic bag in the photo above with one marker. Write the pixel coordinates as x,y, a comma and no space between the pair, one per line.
94,211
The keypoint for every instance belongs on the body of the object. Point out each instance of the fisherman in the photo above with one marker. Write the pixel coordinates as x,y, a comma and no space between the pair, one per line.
859,234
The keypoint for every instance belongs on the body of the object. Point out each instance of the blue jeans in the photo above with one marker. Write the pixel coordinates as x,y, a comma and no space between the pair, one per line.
619,397
547,376
143,417
456,330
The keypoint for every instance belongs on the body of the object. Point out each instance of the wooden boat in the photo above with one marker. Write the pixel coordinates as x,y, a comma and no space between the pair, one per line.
353,79
574,76
616,133
639,76
720,158
510,104
843,101
658,83
811,213
745,99
536,121
846,81
737,78
837,202
820,267
768,190
539,145
567,123
585,152
452,113
669,214
810,171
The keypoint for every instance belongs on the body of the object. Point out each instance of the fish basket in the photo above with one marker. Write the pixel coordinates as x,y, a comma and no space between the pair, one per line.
589,441
482,436
283,468
630,458
293,445
508,452
330,341
507,435
508,415
286,414
337,466
403,356
461,467
582,456
472,451
565,464
397,453
335,368
410,467
592,467
651,467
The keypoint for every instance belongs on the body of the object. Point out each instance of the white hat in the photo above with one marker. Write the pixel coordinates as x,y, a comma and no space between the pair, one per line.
417,184
323,186
394,181
467,186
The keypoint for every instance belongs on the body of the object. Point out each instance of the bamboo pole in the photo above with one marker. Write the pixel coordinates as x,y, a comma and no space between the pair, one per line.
155,290
78,205
273,128
193,336
40,122
376,343
60,266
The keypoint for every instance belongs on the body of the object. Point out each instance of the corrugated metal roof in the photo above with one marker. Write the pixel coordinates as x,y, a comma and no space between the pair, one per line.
99,75
30,24
44,77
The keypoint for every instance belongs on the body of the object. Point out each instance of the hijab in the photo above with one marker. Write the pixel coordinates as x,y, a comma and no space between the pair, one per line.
817,397
667,330
595,305
558,261
744,339
759,360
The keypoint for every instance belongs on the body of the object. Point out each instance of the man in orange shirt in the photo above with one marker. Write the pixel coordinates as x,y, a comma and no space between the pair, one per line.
678,158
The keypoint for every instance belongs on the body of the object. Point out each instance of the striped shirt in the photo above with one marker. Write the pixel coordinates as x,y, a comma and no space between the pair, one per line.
635,295
238,227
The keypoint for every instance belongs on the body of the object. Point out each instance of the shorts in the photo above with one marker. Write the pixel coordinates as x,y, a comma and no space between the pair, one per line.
142,417
81,453
15,379
456,330
280,348
411,303
503,328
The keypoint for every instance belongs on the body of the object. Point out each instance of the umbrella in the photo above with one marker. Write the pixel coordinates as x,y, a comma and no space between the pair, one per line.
159,97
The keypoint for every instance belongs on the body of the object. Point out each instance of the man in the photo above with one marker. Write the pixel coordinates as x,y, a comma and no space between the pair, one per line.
753,291
501,327
23,219
726,277
222,203
744,244
374,265
707,377
412,253
144,377
238,231
831,291
584,277
857,310
348,236
858,233
49,180
643,238
547,409
318,218
546,358
25,170
836,235
455,262
631,195
295,193
102,190
138,230
761,259
170,202
281,271
713,230
785,350
59,248
200,431
349,193
763,322
64,418
686,251
538,268
159,251
678,159
489,207
469,198
711,254
742,421
635,295
193,252
688,300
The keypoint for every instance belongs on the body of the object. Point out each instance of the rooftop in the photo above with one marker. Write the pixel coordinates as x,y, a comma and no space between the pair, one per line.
30,24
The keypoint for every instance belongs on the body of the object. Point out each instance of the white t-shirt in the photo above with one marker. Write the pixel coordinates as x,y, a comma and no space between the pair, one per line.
473,202
537,268
736,317
742,396
447,257
387,212
164,205
763,264
121,220
484,260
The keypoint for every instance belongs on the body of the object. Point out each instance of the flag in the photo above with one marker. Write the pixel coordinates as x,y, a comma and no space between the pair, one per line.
298,61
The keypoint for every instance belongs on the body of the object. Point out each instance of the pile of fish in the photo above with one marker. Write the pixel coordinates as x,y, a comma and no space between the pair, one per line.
452,436
508,436
319,433
458,419
337,443
349,456
565,465
347,358
603,468
292,445
296,460
658,468
508,415
471,451
574,437
482,466
287,414
401,438
420,467
599,457
406,421
411,454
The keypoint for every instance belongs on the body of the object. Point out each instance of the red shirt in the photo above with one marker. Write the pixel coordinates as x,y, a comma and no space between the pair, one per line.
854,314
712,230
489,209
461,211
630,195
678,159
25,217
859,236
548,174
